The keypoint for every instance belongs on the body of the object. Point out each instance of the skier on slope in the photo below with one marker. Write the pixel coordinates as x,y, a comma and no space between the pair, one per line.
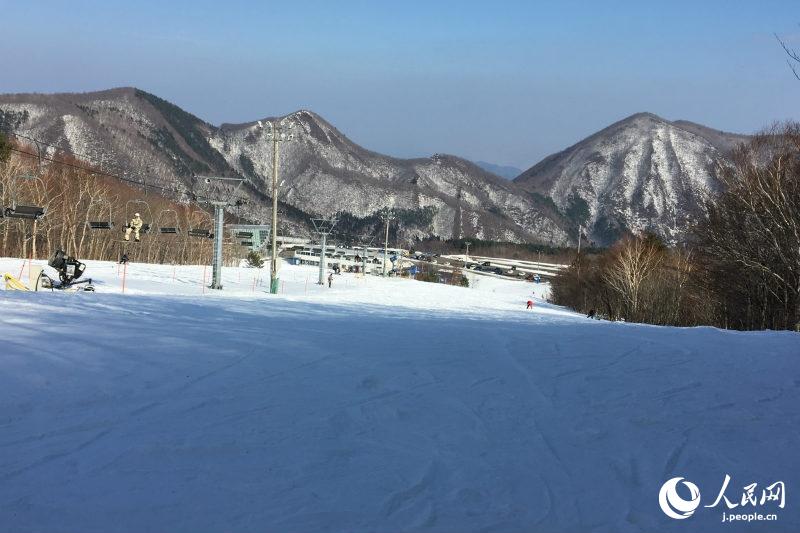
330,279
135,225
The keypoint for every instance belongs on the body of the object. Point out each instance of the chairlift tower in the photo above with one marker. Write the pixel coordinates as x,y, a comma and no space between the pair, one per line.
367,244
324,227
219,220
277,133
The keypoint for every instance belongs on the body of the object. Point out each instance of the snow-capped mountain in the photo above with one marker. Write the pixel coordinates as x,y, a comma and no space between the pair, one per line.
322,170
326,173
641,173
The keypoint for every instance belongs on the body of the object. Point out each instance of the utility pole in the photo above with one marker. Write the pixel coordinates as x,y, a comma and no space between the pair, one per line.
580,230
219,220
277,133
387,217
466,256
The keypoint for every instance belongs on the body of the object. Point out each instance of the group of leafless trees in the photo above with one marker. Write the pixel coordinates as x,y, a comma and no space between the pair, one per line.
74,197
740,268
638,279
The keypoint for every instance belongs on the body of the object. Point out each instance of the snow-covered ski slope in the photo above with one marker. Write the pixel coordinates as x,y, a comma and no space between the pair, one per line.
377,405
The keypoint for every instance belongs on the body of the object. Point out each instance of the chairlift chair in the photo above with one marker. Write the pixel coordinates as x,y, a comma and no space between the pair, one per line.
128,210
28,212
103,224
169,230
200,232
17,210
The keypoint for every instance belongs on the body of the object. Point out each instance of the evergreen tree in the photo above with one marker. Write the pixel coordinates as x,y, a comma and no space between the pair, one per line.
254,260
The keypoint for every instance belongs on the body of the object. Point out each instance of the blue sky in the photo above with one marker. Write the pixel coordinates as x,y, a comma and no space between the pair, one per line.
505,81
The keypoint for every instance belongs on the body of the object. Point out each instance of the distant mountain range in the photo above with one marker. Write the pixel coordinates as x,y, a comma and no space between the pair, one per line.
641,173
504,171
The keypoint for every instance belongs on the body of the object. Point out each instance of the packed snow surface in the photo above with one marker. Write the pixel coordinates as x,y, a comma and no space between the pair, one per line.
375,405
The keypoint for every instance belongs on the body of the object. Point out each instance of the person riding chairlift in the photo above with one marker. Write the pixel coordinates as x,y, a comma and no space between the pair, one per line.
135,225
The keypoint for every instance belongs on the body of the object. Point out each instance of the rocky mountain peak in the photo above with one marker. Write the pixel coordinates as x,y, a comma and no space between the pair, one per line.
642,173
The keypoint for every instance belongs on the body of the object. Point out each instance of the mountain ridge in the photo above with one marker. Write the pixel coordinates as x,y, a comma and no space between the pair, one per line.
325,172
641,173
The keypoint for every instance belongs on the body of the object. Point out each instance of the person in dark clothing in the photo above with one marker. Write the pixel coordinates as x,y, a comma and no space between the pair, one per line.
591,314
124,259
330,279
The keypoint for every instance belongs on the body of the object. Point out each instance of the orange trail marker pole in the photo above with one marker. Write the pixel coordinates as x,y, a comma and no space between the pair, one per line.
124,275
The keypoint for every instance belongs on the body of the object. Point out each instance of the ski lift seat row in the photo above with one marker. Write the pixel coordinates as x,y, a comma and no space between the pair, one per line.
29,212
101,224
200,232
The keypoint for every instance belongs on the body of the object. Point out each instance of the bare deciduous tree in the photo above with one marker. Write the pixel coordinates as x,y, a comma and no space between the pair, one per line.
793,58
755,225
73,197
633,261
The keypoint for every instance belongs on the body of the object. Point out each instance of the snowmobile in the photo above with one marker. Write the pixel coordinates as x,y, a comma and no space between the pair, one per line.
69,270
